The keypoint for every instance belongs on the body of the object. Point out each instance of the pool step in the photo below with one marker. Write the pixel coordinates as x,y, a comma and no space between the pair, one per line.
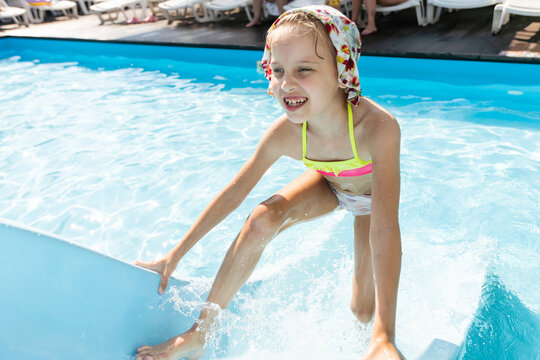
440,350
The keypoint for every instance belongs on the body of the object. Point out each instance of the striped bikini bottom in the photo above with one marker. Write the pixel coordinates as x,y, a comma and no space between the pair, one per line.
357,204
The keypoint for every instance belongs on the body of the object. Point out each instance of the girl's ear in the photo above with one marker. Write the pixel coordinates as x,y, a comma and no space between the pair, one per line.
341,86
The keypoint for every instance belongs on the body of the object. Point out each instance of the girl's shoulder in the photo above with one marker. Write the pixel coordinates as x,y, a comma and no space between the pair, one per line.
368,109
372,117
375,123
285,136
282,127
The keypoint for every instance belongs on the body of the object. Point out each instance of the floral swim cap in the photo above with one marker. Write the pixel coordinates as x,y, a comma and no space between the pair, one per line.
346,40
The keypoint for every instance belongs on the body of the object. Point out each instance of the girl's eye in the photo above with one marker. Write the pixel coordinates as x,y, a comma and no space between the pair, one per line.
305,69
277,70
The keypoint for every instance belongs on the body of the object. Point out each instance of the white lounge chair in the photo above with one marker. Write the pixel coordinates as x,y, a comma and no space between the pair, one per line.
346,7
418,5
17,14
221,9
301,3
36,13
501,13
110,9
85,5
434,7
178,10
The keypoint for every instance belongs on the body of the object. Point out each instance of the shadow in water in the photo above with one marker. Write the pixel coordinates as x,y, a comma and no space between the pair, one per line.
503,327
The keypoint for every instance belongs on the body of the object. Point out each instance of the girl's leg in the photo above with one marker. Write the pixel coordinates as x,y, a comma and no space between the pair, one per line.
363,298
307,197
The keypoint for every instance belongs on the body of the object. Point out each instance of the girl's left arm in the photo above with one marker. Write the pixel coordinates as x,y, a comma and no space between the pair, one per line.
385,237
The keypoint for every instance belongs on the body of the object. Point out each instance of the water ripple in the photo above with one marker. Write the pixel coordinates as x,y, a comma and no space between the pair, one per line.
123,160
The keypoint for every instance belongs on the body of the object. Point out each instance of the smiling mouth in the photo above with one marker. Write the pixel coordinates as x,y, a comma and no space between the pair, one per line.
295,102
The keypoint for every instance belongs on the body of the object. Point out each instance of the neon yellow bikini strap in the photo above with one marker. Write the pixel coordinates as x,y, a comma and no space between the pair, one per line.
351,134
351,130
304,127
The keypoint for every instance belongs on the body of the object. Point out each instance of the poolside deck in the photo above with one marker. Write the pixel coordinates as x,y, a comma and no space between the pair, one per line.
463,34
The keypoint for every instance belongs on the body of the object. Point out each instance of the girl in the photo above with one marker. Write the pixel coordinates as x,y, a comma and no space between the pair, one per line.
351,148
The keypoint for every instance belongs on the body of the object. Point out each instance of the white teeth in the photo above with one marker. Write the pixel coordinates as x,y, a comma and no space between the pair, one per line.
295,102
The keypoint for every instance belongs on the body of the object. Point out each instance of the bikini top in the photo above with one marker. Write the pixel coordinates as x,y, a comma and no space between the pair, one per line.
343,168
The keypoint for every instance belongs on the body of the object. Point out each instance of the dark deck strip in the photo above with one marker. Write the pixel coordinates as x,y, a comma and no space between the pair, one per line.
464,34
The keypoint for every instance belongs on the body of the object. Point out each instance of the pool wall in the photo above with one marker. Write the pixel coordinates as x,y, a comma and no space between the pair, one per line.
240,58
63,301
385,67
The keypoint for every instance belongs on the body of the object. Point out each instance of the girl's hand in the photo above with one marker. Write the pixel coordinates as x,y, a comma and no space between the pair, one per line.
163,267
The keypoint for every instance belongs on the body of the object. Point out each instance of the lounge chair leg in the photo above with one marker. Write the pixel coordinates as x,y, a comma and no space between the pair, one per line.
207,14
125,15
40,15
34,15
505,17
112,16
438,11
420,16
248,13
429,13
84,9
496,24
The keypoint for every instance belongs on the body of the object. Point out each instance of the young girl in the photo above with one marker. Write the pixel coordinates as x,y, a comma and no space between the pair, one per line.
350,146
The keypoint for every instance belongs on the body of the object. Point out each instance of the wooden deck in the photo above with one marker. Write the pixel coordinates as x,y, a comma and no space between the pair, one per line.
462,34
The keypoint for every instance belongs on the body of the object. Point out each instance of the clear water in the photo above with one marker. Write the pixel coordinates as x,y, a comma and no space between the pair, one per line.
115,154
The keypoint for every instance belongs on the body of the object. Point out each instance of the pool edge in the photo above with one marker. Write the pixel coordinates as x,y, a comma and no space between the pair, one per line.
415,55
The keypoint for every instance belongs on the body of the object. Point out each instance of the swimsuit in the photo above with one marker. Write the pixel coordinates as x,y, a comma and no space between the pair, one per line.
343,168
357,204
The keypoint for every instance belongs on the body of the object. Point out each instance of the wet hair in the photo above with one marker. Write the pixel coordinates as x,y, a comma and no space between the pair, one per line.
302,23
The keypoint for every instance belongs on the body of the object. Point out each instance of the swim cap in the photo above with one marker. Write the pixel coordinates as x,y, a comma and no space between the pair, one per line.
346,40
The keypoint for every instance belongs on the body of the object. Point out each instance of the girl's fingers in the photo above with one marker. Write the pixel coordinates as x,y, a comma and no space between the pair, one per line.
154,266
161,269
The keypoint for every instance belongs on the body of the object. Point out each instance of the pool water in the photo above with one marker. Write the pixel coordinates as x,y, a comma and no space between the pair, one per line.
120,152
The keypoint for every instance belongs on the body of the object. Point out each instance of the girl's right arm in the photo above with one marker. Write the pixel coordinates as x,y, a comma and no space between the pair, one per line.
268,151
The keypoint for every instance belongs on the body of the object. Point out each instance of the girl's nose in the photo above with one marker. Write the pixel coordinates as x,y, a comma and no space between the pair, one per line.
287,83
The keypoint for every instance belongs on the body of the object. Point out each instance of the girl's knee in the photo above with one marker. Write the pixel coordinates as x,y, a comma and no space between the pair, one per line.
265,220
363,312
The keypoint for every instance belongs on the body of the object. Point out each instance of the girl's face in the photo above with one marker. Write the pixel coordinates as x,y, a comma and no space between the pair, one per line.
304,74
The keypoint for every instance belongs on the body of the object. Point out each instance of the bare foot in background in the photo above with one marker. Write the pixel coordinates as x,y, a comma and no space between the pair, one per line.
254,22
369,29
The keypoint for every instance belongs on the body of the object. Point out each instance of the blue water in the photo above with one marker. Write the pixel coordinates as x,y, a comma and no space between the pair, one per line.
120,147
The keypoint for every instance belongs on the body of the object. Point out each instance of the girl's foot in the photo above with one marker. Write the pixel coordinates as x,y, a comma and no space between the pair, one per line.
188,345
370,29
382,349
